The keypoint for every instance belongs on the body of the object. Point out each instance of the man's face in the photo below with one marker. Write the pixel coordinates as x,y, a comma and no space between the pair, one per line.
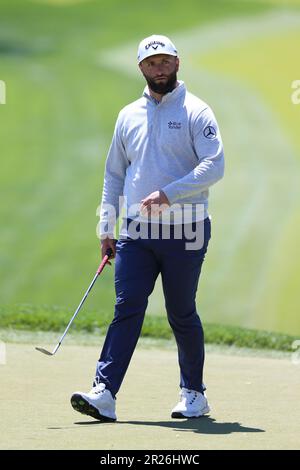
160,72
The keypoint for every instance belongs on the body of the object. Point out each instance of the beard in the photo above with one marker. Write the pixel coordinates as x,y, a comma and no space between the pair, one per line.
163,88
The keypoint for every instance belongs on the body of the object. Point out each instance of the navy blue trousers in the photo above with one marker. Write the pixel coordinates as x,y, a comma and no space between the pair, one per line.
137,265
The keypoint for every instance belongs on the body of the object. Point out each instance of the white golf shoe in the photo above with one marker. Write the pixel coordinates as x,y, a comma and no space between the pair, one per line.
98,403
192,404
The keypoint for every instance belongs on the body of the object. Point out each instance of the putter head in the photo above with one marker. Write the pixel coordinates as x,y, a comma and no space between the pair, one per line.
44,351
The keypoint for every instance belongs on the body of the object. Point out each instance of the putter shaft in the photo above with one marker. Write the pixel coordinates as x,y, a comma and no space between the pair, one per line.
99,270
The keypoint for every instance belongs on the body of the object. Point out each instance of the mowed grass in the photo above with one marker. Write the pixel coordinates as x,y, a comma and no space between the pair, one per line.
55,131
55,319
267,66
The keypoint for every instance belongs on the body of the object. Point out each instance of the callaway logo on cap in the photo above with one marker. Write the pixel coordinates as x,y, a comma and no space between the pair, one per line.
155,44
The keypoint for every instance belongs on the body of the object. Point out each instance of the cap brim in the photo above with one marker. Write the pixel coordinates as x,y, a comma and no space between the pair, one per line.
157,53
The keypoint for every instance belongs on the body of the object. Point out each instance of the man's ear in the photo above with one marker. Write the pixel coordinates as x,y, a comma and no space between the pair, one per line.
177,64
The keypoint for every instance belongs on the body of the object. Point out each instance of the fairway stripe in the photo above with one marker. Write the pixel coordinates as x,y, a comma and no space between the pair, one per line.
206,38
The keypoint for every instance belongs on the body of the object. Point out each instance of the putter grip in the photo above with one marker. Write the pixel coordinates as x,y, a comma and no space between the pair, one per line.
109,252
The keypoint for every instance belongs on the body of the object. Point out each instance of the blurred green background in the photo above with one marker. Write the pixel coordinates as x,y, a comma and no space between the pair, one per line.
69,67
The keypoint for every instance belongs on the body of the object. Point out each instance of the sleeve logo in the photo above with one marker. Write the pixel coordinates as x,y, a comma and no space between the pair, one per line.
210,132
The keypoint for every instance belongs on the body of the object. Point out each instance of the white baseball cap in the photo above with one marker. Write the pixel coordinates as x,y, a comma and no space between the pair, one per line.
154,45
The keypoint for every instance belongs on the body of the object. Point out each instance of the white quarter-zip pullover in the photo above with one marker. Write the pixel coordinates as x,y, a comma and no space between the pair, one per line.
173,145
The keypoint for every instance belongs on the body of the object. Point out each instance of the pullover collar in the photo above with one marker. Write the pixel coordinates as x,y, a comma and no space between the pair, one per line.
173,95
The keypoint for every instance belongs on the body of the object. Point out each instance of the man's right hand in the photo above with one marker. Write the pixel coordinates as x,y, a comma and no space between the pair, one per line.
108,243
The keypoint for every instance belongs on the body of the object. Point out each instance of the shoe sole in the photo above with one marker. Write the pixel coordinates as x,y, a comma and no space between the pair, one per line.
178,415
84,407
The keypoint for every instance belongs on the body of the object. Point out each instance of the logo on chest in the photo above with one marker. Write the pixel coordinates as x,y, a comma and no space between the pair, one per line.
174,125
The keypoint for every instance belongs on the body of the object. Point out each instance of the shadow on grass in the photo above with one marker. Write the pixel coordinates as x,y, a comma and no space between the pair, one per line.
203,425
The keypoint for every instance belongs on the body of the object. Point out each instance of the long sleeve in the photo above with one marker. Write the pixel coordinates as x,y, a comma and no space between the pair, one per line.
209,150
114,176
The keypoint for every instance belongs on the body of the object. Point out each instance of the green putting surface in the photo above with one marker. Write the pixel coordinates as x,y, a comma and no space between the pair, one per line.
254,400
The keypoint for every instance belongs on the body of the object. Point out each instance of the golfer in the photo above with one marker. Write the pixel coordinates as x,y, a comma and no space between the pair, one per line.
165,154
